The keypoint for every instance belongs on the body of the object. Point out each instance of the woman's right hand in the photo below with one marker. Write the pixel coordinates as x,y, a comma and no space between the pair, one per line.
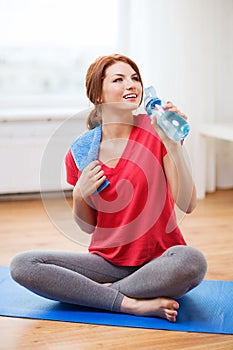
91,178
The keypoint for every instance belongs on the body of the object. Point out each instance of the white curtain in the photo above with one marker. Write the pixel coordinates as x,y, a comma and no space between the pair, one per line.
185,49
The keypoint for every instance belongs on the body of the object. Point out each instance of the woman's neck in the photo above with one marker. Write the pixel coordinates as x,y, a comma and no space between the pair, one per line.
116,130
118,126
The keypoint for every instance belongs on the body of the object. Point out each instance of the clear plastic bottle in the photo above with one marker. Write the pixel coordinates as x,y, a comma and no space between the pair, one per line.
174,126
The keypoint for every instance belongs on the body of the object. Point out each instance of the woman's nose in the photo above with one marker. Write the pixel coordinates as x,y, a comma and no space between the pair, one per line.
129,84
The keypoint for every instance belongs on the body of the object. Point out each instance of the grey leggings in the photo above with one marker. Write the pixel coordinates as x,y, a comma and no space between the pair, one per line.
78,278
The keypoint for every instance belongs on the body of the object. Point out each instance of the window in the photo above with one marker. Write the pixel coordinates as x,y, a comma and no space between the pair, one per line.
46,47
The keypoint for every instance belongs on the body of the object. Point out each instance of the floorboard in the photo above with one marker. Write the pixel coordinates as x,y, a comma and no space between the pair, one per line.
25,224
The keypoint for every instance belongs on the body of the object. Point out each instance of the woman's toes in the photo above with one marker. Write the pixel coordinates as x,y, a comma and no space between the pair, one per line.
171,315
171,318
175,305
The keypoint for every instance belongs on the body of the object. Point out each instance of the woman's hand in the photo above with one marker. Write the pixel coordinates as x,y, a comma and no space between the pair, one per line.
169,106
91,178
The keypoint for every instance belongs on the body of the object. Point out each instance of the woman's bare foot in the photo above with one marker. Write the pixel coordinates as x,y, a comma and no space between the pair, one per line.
158,307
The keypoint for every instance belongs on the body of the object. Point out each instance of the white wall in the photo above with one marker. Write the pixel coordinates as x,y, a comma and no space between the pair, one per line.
185,49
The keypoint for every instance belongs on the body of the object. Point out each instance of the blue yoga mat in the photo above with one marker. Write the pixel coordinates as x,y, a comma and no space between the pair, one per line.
206,309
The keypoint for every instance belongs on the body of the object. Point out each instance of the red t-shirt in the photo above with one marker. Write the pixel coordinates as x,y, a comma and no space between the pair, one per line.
135,213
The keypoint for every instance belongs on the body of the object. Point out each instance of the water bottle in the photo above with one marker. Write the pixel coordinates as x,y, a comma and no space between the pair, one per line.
174,126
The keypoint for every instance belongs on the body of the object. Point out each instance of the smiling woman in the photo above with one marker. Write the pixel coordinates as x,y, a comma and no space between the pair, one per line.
138,260
44,55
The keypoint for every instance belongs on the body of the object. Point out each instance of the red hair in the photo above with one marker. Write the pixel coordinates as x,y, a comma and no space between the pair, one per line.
94,82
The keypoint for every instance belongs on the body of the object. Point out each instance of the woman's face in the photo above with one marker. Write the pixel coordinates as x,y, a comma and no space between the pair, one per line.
121,85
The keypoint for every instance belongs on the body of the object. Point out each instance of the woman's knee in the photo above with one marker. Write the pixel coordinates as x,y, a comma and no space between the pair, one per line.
21,267
196,262
190,260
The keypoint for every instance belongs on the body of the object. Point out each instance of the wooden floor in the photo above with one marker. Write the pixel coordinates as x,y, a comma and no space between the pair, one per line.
26,225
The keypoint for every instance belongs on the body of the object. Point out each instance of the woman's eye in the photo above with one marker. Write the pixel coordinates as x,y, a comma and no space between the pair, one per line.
136,78
117,80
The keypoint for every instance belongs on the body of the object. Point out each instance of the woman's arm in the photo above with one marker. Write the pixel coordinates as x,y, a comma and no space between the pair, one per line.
176,170
179,178
84,213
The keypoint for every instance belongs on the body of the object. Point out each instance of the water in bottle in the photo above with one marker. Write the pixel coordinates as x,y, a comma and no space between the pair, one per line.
174,126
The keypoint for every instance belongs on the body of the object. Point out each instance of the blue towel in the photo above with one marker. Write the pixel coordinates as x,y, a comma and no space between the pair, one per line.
85,149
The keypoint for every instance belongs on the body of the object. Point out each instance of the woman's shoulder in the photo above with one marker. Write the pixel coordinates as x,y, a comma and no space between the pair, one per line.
142,121
141,118
148,135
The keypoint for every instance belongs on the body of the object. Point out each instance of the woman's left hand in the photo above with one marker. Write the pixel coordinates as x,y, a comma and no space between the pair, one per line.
172,108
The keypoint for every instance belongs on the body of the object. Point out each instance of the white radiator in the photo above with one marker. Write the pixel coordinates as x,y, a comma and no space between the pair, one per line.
26,146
